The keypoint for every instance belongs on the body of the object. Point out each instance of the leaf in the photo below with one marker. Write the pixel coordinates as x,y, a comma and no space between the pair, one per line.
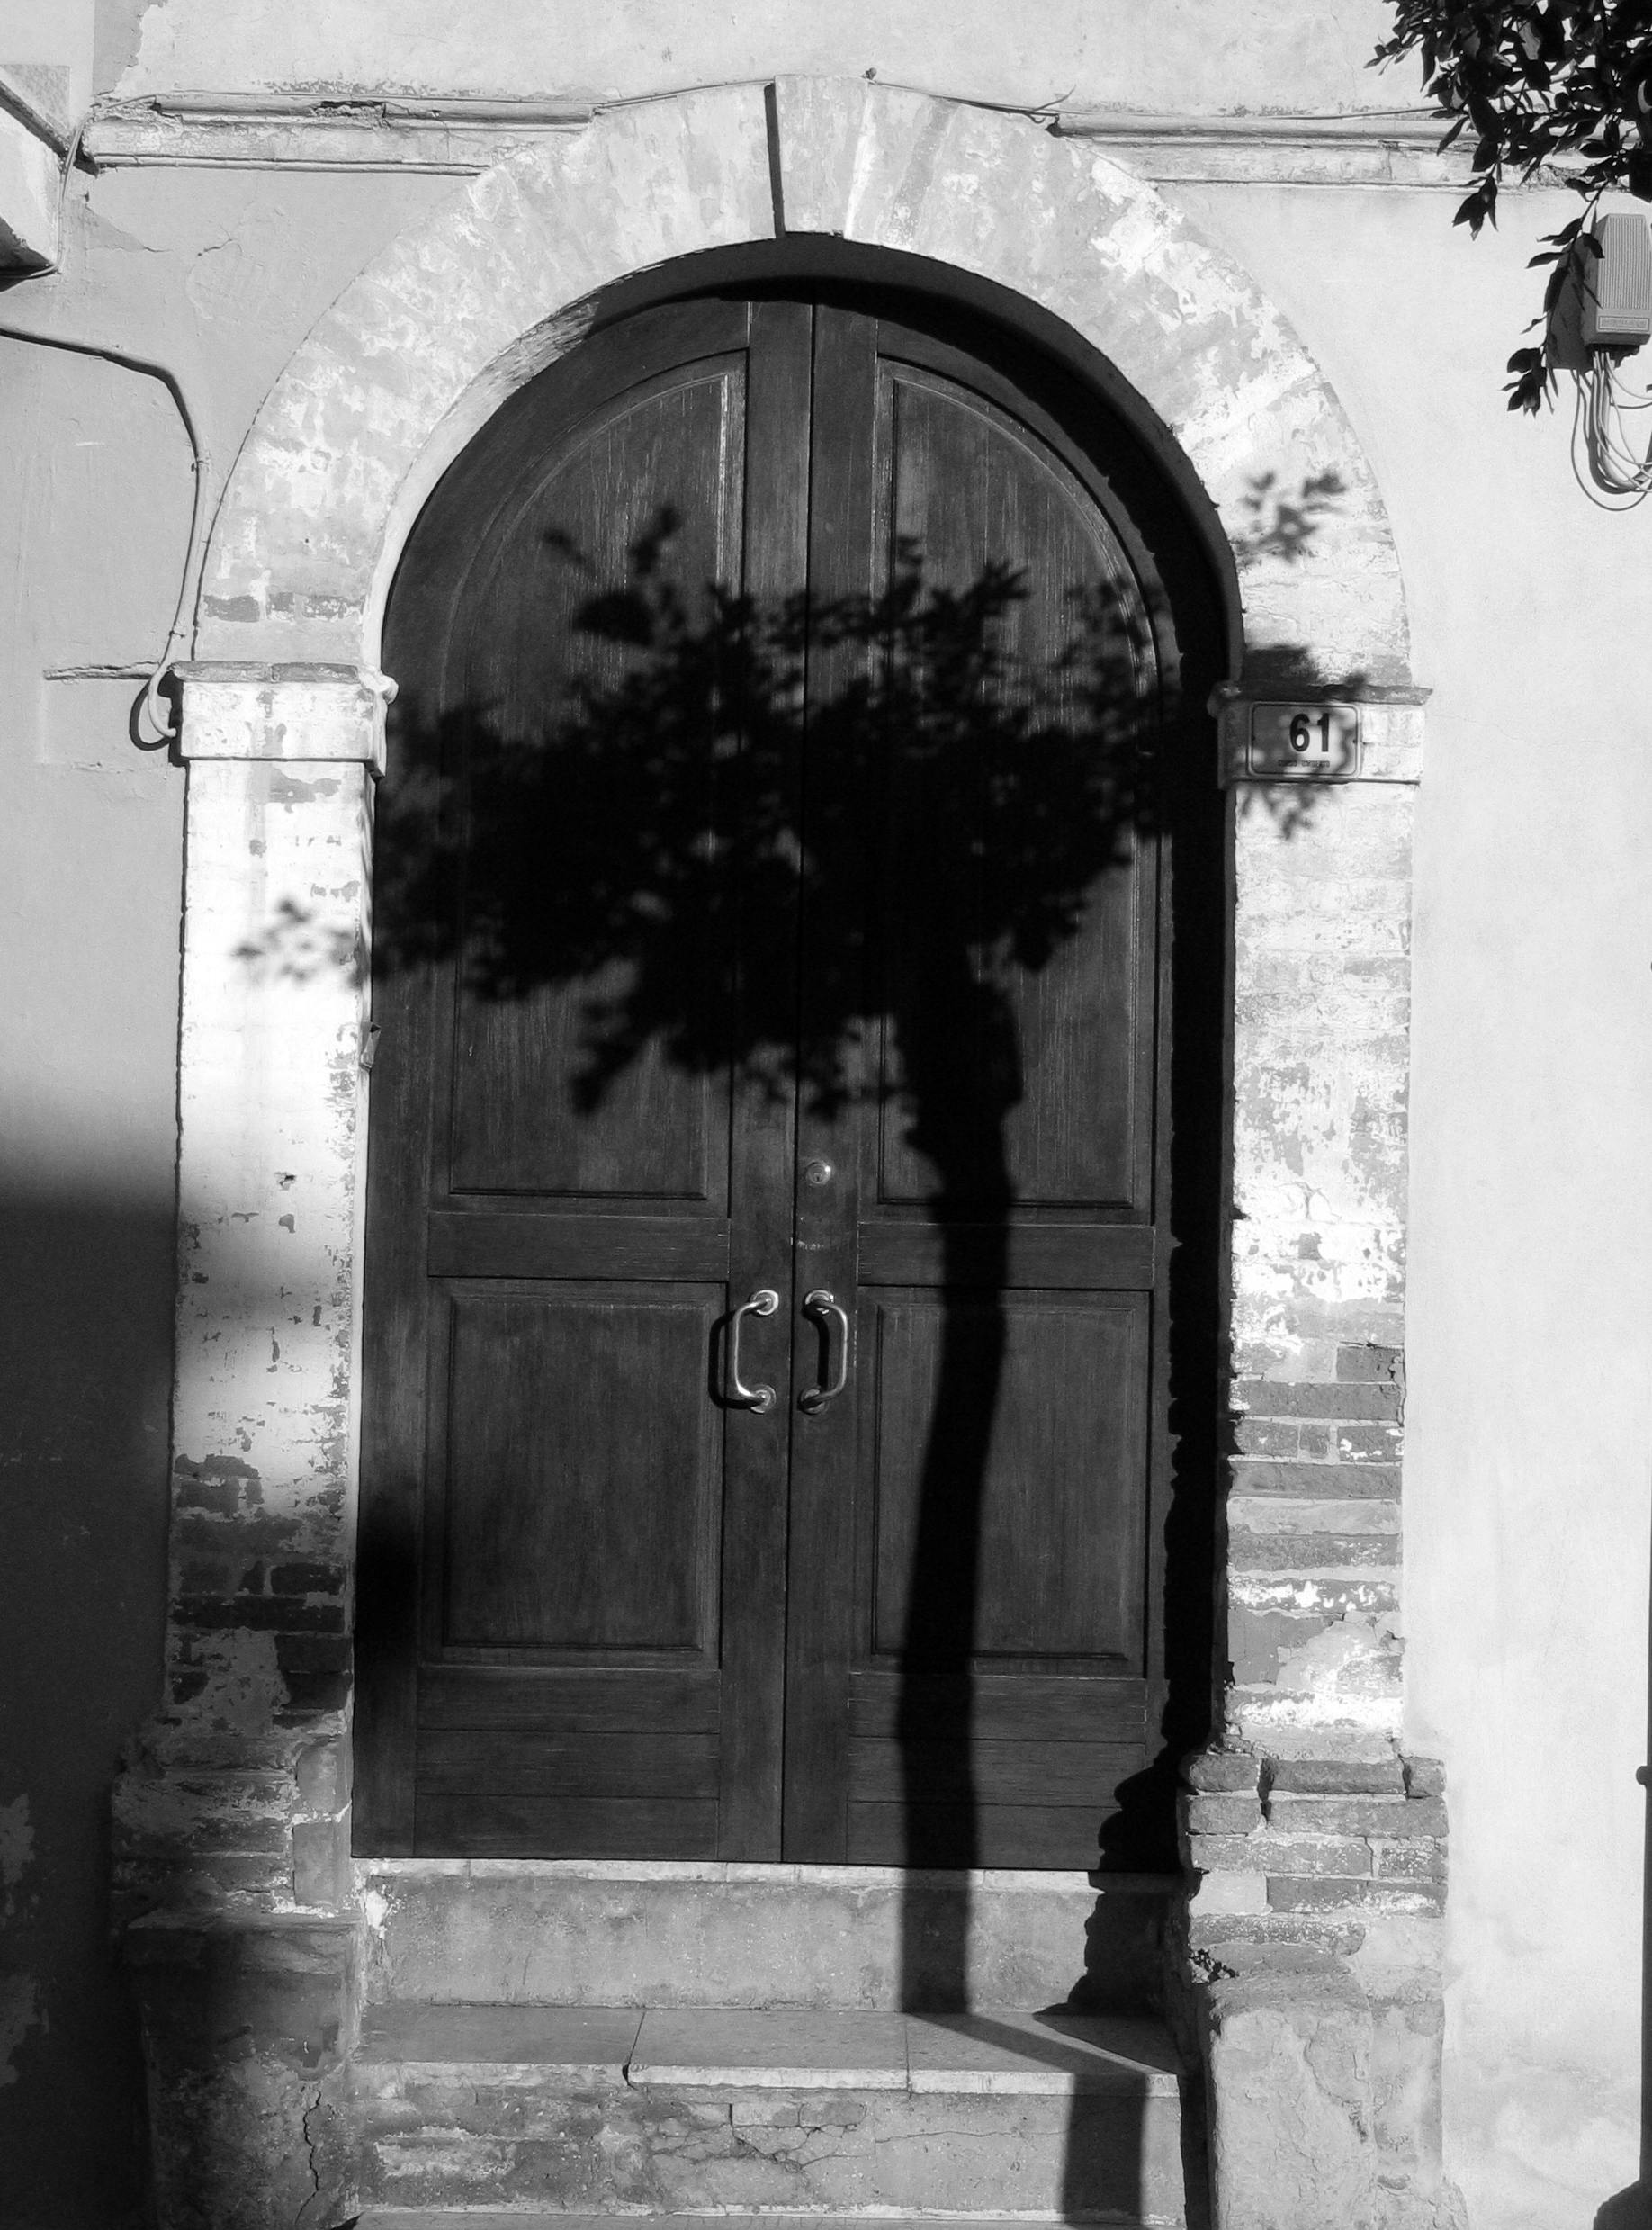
1529,391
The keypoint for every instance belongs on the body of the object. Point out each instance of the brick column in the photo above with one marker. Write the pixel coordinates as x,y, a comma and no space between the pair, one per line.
1321,1057
232,1821
1316,1846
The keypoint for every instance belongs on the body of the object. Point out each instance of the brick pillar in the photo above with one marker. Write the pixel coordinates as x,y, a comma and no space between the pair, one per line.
1316,1846
232,1821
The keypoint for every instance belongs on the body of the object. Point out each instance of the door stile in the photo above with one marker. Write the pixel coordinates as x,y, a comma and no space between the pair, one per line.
1158,956
821,1595
762,1133
396,1313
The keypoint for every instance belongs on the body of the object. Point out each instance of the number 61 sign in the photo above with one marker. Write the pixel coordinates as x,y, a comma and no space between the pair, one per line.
1303,742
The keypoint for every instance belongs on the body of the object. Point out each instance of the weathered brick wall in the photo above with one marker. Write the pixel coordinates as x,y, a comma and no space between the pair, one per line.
1321,1065
1329,1839
1307,1970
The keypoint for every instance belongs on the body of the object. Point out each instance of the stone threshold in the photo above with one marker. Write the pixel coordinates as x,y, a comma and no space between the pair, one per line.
764,1873
994,2052
768,2218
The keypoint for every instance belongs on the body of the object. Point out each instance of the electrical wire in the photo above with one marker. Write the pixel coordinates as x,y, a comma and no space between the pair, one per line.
200,462
1616,477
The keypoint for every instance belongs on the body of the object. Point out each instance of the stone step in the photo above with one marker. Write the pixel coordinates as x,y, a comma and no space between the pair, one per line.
875,1938
668,2111
516,2218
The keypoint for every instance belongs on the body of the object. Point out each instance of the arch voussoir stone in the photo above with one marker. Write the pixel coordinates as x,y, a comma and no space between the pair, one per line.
456,313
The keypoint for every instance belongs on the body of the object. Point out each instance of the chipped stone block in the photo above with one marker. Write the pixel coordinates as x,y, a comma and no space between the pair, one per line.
1326,1512
1311,1553
1394,1817
1223,1854
1409,1861
1424,1777
317,1771
1326,1599
1313,1855
1290,1723
1302,1893
1368,1443
1220,1770
243,2024
1220,1894
1337,1776
1256,1640
1287,2044
1315,1480
1235,1814
321,1862
1270,1854
1275,1438
1337,1932
1371,1364
1336,1400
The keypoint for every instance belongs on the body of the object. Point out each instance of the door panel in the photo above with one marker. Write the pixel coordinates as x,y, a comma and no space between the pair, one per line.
772,897
975,855
545,642
1058,1520
580,1475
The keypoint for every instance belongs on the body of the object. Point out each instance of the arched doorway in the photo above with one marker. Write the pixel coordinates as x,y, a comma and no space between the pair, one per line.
790,1303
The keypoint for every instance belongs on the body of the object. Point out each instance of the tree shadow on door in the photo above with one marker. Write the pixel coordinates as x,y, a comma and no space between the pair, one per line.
604,850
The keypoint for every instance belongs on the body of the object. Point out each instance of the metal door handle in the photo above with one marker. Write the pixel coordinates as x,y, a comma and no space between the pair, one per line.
820,1305
763,1303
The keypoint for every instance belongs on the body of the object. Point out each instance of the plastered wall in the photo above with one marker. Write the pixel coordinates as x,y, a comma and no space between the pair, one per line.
1529,1422
1531,1268
1181,55
222,276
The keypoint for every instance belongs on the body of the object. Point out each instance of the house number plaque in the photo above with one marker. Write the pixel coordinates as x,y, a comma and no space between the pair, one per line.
1303,742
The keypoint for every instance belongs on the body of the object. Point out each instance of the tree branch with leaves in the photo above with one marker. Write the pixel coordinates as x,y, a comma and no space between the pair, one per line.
1542,85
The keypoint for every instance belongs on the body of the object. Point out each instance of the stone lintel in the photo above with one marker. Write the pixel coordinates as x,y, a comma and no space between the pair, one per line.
235,709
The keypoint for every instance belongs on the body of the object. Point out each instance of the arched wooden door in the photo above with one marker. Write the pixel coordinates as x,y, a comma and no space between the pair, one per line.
765,1446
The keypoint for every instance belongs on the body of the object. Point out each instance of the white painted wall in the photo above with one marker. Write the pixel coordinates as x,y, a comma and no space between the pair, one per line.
1176,55
1529,1427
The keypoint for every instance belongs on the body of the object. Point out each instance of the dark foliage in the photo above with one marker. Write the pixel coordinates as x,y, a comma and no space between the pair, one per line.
1563,83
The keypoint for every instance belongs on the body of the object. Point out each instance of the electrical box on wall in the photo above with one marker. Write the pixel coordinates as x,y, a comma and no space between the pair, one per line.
1617,284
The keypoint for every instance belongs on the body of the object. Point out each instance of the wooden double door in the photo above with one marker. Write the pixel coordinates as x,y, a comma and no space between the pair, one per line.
765,1448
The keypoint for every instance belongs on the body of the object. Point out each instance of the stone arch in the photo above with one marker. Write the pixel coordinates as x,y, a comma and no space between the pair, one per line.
458,312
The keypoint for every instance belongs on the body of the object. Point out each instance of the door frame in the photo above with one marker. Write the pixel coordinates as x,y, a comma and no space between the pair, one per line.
1140,1695
281,712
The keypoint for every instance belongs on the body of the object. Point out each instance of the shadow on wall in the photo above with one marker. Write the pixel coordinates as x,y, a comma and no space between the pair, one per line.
85,1371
